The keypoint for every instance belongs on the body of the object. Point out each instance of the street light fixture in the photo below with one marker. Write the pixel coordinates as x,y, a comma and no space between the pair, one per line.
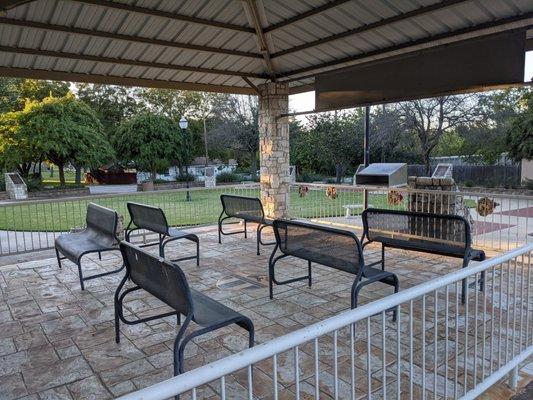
183,126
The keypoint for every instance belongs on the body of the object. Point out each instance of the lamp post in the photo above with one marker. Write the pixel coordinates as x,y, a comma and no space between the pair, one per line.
183,126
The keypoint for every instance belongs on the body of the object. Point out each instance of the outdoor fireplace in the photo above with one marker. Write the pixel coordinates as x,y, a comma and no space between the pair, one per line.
382,174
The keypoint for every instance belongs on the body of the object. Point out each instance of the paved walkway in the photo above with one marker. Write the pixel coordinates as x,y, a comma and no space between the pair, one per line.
57,342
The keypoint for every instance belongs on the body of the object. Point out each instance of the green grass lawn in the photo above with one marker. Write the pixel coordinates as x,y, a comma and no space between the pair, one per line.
204,208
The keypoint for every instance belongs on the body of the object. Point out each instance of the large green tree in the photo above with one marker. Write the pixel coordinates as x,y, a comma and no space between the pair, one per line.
150,141
237,126
331,143
15,92
19,148
520,132
112,104
66,130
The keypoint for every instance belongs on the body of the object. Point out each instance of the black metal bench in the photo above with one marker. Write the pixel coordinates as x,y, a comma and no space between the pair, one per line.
327,246
445,235
99,236
249,209
168,283
149,218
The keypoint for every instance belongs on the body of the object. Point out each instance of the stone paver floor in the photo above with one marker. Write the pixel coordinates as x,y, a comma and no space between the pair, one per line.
57,341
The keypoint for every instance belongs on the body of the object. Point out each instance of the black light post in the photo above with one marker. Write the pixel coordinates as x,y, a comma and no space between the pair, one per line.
183,126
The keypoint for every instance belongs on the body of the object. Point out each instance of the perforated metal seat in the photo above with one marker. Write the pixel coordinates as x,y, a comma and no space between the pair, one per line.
445,235
249,209
167,282
99,236
335,248
153,219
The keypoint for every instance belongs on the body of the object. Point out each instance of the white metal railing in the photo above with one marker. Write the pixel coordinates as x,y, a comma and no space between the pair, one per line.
507,227
34,224
437,347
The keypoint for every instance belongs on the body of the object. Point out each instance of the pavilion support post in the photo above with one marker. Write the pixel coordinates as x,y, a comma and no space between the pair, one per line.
274,148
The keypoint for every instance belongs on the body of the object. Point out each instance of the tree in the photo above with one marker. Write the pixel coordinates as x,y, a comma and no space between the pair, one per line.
112,104
15,92
237,120
204,111
520,132
169,102
331,143
19,148
150,141
388,134
66,130
430,119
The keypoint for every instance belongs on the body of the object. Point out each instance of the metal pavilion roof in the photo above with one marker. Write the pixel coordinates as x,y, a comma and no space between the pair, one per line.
231,45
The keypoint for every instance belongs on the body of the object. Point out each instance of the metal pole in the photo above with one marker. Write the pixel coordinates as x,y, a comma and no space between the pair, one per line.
366,149
186,137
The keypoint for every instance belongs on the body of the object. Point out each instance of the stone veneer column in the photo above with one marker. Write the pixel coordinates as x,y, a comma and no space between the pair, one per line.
274,148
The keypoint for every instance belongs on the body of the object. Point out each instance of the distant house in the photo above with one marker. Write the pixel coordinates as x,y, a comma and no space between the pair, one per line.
196,169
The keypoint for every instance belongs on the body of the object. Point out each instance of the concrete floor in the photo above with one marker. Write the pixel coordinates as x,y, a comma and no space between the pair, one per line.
57,342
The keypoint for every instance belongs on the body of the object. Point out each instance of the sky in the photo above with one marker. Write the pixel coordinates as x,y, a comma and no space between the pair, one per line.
306,101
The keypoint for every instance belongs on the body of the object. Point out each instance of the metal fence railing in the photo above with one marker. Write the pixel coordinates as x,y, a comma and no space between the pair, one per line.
34,224
507,226
437,347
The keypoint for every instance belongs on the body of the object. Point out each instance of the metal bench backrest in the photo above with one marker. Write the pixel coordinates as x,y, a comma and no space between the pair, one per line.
446,230
334,248
160,278
102,224
240,206
148,217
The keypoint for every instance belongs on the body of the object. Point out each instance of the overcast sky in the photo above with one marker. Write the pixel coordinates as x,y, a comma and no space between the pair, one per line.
306,101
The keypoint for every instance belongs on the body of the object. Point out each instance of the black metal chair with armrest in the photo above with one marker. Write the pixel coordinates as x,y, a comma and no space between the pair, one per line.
249,209
335,248
166,281
445,235
153,219
99,236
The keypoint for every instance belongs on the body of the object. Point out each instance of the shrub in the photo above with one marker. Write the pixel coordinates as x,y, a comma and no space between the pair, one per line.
34,183
227,177
309,177
185,178
529,184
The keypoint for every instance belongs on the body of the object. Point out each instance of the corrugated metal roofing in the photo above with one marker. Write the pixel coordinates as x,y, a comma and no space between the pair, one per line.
213,43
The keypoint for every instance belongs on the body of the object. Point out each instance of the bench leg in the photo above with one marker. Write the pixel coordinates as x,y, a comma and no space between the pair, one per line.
81,275
310,280
118,308
258,237
58,258
357,286
245,230
198,253
382,257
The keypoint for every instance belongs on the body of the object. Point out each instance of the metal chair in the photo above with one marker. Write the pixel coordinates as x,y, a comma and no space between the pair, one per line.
153,219
167,282
443,234
335,248
249,209
99,236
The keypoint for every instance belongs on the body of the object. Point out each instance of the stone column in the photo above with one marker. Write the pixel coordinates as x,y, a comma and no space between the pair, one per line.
274,148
